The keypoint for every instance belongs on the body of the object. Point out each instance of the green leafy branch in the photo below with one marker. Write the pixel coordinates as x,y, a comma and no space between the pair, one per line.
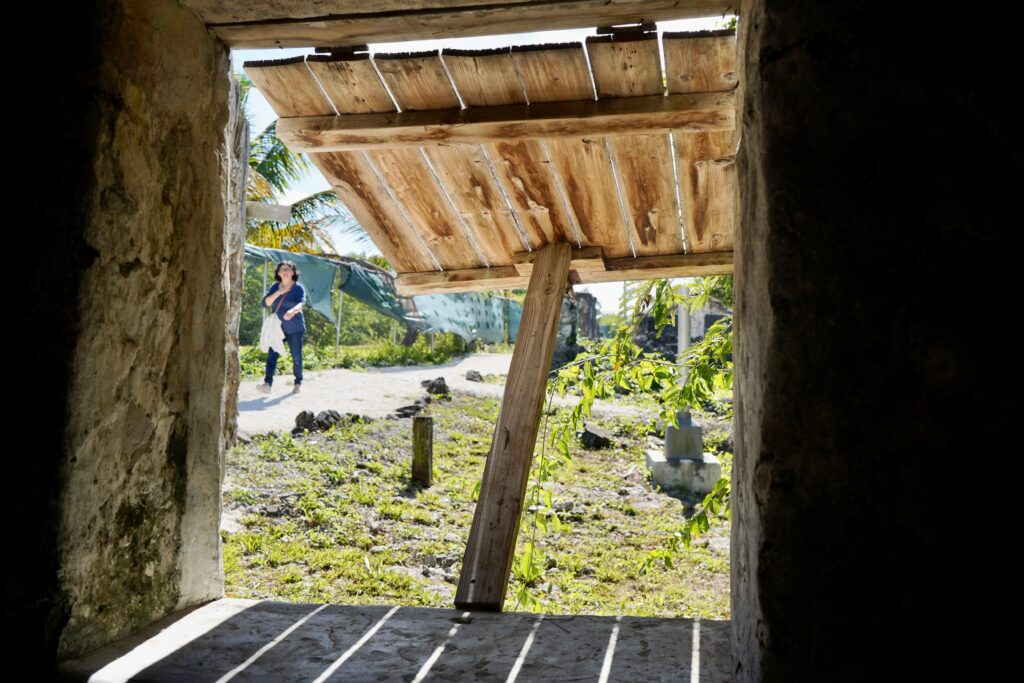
688,382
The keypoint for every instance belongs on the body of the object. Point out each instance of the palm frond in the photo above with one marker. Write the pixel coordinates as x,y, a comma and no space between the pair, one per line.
259,189
244,85
317,205
269,157
348,225
308,238
326,208
320,235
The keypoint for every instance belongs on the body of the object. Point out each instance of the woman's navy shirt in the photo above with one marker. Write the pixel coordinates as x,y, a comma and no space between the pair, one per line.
294,296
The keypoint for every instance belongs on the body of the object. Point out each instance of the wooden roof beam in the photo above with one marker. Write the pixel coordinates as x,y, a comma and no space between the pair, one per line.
586,271
482,125
586,260
304,23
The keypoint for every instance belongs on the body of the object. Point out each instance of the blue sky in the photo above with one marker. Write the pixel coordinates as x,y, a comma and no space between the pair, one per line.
262,115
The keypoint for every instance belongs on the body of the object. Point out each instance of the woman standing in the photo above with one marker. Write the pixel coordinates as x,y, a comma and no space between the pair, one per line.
286,297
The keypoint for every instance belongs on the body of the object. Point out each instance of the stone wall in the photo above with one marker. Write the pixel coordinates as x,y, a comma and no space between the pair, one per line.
586,314
567,345
876,175
141,287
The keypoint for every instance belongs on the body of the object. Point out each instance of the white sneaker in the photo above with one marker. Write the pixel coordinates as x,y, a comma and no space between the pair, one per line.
264,388
297,388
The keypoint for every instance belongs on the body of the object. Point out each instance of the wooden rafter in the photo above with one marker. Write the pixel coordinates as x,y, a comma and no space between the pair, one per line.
586,272
623,116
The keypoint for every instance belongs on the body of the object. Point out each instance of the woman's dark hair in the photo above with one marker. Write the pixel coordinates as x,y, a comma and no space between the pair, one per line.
295,270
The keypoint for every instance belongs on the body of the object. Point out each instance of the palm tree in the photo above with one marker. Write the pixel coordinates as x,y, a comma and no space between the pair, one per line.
272,169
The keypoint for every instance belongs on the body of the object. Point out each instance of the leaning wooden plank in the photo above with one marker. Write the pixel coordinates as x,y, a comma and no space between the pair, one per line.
615,270
488,78
694,62
292,90
354,87
421,85
627,69
626,116
351,83
700,61
288,87
710,190
301,23
559,73
492,539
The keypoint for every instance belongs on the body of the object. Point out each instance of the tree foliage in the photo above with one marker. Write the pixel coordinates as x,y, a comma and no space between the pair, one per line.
690,381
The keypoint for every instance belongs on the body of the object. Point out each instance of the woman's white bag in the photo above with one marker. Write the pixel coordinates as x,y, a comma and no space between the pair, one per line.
272,335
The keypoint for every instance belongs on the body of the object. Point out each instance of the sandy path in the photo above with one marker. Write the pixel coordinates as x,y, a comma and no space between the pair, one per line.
374,392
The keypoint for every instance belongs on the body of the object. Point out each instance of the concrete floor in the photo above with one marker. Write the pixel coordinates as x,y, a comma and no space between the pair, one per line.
251,640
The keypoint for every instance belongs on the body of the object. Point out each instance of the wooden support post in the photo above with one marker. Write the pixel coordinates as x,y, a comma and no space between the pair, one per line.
492,540
422,450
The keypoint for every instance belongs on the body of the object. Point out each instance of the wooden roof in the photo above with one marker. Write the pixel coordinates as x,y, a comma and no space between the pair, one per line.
460,164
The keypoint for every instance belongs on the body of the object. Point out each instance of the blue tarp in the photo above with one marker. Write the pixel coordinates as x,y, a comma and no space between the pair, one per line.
316,274
470,315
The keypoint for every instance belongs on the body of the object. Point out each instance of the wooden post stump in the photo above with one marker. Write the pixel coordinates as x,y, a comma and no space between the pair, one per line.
422,450
492,540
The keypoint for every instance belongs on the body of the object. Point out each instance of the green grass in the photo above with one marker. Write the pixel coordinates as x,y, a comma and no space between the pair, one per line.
381,354
334,517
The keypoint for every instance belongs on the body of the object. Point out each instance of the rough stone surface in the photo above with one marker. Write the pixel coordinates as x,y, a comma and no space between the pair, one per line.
324,420
586,316
408,411
474,376
594,437
862,200
152,364
696,475
436,387
566,346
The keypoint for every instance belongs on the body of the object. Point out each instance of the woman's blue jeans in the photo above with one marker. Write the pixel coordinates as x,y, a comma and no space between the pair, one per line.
294,342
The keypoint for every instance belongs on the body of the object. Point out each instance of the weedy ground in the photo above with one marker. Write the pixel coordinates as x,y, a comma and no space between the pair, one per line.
333,517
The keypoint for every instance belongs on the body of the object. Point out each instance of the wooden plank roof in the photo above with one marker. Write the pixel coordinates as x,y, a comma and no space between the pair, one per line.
460,164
